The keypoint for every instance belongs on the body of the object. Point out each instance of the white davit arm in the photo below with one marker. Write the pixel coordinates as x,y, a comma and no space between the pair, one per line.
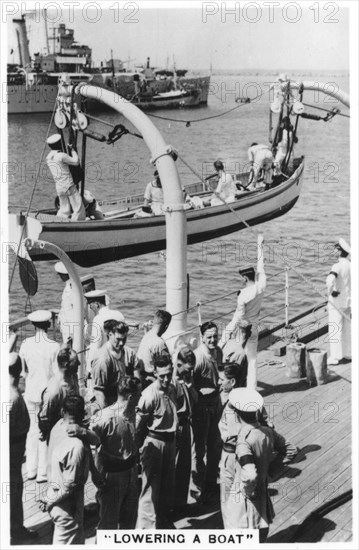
327,88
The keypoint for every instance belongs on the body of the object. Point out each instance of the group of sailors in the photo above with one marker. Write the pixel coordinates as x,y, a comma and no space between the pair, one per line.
158,427
76,207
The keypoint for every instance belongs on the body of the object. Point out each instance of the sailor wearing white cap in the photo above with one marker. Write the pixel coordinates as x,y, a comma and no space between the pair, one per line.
339,305
66,314
249,303
97,302
38,354
254,453
69,196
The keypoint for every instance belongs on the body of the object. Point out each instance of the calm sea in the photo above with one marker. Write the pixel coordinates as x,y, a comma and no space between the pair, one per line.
304,236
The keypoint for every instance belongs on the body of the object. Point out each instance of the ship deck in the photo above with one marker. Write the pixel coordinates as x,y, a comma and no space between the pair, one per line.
317,420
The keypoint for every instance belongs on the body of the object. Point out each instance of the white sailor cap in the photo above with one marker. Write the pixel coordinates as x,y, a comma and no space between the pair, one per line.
87,279
88,196
55,138
343,245
245,400
40,316
113,314
60,268
93,295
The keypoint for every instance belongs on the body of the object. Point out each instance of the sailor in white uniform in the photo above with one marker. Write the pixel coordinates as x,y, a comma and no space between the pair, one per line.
38,354
339,306
261,158
226,188
71,205
153,195
66,315
249,303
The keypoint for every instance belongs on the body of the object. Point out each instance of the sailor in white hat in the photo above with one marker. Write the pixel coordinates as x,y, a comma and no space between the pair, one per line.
97,302
339,305
245,400
70,200
256,445
38,353
61,270
249,303
66,314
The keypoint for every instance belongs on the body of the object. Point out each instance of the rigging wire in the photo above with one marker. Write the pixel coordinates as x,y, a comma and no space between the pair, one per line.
189,122
32,195
325,110
281,258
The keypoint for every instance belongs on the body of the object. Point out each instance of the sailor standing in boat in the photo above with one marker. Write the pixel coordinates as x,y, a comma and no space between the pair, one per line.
249,304
339,307
69,196
261,158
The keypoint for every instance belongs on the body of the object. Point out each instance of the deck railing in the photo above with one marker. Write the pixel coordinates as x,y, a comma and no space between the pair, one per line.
21,328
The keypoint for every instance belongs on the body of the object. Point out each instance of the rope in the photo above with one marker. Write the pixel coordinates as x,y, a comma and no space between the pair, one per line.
31,197
286,263
189,122
197,174
325,110
100,120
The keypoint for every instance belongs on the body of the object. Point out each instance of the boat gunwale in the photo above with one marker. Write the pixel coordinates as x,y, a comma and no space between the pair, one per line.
192,215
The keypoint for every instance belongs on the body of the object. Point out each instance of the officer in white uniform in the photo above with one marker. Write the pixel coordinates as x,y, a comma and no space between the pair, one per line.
38,354
339,306
249,304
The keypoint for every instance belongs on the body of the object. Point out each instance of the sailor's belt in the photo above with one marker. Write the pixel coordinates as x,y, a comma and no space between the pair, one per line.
229,448
208,396
112,464
162,436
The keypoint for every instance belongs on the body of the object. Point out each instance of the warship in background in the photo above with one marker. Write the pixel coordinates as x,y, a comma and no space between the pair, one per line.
32,84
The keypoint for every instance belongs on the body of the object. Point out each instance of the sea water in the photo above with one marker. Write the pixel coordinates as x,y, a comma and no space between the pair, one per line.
304,236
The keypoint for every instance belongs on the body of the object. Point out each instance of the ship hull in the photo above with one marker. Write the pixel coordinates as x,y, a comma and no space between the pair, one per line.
41,98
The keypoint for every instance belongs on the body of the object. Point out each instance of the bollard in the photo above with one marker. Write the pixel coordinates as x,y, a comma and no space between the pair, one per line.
296,360
316,366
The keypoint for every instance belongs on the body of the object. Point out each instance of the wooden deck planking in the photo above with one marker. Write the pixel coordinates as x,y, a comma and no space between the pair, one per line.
325,459
341,516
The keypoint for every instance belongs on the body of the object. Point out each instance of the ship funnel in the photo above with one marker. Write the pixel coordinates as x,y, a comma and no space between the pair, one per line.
20,28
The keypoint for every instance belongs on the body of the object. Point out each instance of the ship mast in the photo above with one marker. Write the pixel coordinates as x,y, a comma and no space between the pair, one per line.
46,33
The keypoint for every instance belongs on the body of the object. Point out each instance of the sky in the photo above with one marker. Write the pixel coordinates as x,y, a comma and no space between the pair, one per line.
230,36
